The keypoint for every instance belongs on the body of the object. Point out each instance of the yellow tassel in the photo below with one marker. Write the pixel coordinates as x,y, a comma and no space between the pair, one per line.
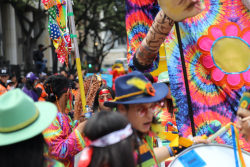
137,82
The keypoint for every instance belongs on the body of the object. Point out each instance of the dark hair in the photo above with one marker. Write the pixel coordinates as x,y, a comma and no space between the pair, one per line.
119,154
96,101
54,85
42,78
28,153
149,77
29,84
170,104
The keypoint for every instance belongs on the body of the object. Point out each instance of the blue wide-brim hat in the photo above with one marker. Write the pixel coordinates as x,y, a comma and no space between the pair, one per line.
130,89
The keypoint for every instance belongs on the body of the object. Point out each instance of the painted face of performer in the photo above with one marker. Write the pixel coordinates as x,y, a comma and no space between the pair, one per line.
243,122
139,115
104,95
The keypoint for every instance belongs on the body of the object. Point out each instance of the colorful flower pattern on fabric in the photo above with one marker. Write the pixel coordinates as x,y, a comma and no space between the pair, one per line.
225,53
64,142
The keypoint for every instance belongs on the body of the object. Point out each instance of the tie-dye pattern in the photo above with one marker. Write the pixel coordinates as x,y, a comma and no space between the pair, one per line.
139,18
64,142
53,163
165,118
209,102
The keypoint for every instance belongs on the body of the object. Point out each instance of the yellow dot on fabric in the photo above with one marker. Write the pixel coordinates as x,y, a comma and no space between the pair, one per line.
244,104
231,55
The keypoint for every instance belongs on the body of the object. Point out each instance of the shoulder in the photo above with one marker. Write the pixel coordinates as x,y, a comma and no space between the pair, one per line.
53,163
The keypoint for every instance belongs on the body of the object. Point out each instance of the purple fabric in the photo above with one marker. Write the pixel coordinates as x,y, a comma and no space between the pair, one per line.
31,76
30,93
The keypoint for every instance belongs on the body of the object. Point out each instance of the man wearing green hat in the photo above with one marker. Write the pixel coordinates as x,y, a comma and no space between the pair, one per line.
21,124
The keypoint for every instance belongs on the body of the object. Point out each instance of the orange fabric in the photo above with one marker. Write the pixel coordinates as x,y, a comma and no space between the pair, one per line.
3,89
43,94
75,92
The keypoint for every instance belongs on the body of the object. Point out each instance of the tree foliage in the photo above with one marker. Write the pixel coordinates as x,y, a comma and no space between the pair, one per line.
28,26
102,22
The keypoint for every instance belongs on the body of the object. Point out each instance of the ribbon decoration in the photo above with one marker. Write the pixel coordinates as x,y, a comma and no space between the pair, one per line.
57,28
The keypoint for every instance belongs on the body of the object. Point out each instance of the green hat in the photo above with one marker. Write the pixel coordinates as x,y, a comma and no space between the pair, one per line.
21,118
163,77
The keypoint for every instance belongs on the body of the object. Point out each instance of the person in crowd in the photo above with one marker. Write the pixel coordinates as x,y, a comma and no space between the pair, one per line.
243,115
64,73
21,139
10,85
4,76
29,87
40,86
13,80
136,98
104,93
75,90
64,138
110,141
21,82
71,79
38,57
166,113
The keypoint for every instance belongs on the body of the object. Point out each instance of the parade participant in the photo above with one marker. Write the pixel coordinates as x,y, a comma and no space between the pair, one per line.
111,141
21,124
64,138
91,84
29,87
243,115
214,79
137,99
4,76
166,113
104,93
41,86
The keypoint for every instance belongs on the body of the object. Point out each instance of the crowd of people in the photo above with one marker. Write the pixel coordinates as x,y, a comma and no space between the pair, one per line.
121,120
44,123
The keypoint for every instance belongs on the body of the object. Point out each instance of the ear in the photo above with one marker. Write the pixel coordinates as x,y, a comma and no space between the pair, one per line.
121,108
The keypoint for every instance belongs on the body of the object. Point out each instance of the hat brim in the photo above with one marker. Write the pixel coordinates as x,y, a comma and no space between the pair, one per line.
161,91
47,114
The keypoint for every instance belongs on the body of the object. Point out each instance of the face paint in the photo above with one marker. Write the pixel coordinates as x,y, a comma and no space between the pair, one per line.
107,96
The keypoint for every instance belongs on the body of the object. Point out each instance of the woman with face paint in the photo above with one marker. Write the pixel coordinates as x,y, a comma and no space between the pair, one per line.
243,115
103,94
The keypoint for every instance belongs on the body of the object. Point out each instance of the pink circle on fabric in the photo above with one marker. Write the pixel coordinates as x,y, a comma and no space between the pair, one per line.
232,30
246,37
216,32
206,44
218,74
246,76
208,62
233,79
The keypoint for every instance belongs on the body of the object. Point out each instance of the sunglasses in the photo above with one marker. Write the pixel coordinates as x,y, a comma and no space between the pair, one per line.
242,119
142,112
